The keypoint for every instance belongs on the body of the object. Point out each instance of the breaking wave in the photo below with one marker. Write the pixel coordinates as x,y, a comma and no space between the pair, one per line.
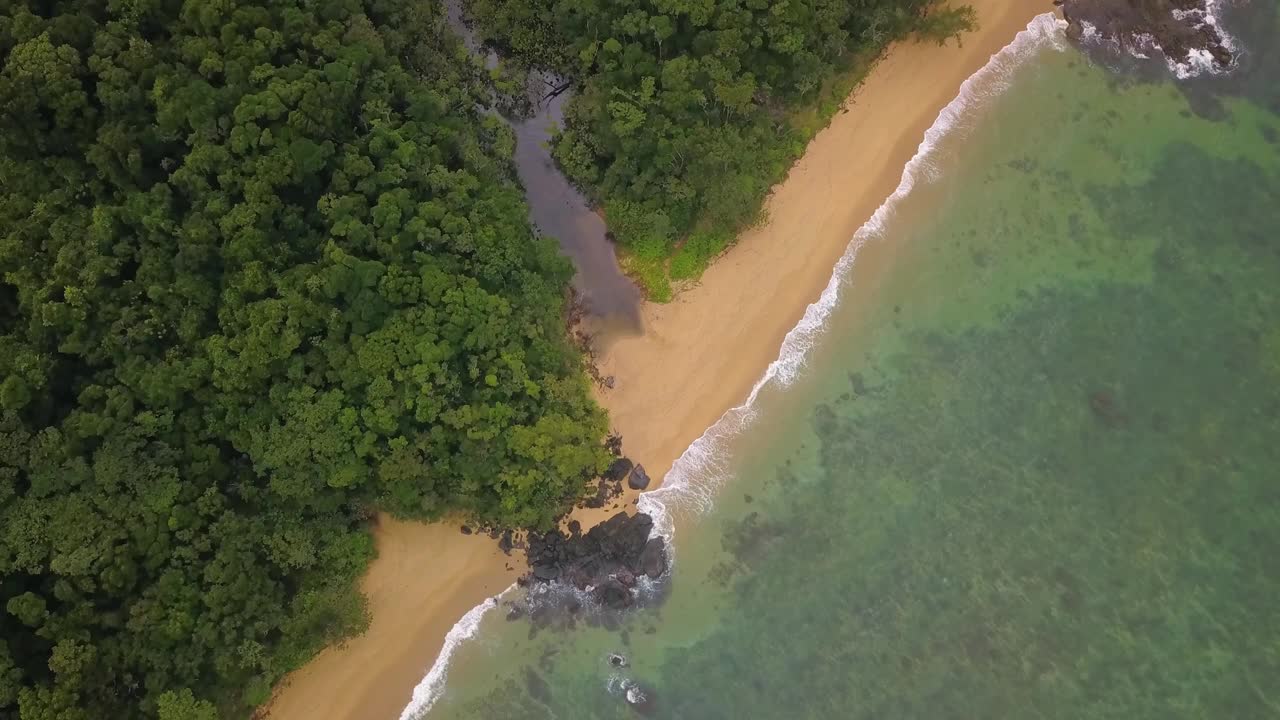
428,691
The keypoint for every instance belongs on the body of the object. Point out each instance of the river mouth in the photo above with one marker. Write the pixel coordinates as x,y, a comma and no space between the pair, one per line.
609,300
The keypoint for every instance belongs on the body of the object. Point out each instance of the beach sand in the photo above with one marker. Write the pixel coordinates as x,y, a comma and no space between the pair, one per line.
699,356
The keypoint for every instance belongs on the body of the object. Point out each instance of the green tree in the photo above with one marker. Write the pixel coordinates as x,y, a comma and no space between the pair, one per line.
684,108
264,272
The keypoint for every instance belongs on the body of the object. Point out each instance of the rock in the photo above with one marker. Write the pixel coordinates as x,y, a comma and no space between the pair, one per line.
609,557
653,559
1178,28
613,444
546,573
1105,408
608,382
639,698
536,686
618,660
618,470
466,530
639,479
612,594
505,543
575,527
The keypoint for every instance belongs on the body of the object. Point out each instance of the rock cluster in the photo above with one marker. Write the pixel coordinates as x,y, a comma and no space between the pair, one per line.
609,558
1179,28
610,484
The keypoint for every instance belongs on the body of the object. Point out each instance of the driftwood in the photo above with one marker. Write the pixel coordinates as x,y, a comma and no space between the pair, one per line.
557,90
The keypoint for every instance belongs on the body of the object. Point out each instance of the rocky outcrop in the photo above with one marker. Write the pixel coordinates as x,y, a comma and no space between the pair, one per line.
653,559
1186,32
609,558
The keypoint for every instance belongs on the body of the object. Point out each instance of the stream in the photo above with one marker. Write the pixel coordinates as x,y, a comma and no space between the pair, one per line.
556,208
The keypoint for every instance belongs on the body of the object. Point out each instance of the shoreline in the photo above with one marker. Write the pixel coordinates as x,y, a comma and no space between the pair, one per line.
699,357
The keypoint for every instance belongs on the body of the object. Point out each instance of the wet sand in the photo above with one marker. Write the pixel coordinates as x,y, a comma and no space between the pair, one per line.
699,356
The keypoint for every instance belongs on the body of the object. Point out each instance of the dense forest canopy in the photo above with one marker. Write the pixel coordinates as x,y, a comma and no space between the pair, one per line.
263,272
684,113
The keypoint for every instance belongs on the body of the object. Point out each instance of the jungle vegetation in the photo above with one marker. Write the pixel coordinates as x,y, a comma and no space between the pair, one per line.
264,273
688,111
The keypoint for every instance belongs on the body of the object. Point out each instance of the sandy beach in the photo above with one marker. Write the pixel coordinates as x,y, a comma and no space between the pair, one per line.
699,356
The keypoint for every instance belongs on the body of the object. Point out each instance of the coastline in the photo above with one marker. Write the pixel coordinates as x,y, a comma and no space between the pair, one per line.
700,356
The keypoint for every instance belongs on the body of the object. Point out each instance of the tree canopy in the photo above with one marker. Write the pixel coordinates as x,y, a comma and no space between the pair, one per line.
263,273
685,110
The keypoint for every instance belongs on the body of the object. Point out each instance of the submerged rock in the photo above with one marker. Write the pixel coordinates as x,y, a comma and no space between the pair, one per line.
612,594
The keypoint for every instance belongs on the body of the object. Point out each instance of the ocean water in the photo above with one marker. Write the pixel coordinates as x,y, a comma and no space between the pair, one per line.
1021,460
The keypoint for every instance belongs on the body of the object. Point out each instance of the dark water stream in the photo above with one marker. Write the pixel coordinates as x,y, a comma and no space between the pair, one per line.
556,208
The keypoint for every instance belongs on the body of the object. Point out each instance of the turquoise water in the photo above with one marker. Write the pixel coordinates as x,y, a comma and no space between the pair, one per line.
1031,467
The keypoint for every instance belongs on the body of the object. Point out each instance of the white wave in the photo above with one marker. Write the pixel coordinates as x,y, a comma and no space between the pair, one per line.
1200,61
698,472
428,691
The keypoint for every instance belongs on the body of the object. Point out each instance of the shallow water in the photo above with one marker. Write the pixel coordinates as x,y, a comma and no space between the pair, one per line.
1030,467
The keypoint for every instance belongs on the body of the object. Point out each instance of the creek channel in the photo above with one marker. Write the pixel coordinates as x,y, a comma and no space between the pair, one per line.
556,208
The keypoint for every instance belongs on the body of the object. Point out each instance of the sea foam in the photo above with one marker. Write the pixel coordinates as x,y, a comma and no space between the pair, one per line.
695,476
428,691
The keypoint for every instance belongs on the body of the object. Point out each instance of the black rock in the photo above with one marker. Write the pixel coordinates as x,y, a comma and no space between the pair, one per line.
1178,27
546,573
618,470
536,686
618,660
653,559
609,557
505,543
639,479
466,530
612,594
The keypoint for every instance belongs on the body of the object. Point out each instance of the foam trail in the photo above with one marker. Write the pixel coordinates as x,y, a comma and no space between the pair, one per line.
429,690
703,461
693,479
